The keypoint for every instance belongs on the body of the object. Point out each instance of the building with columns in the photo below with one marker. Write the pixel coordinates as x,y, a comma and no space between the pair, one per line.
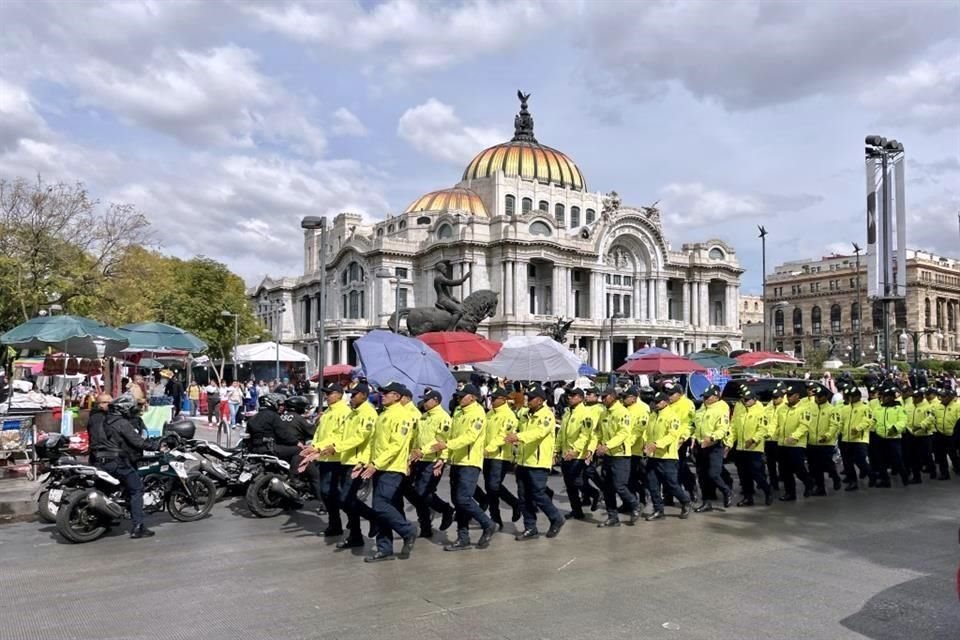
522,222
815,303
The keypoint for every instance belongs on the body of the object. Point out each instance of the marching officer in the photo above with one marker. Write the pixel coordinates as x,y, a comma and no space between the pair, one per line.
535,440
890,421
711,429
665,430
775,411
498,455
792,444
615,447
328,433
856,421
683,409
353,448
464,452
434,423
639,416
945,440
592,485
748,434
573,448
822,441
921,423
389,459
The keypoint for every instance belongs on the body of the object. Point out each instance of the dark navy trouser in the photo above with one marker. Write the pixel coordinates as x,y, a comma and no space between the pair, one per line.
354,507
532,490
463,484
615,473
663,472
125,473
386,486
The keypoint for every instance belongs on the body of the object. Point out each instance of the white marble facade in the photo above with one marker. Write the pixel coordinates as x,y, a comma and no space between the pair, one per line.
549,248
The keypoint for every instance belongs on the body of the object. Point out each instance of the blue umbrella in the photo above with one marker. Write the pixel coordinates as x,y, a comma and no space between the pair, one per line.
647,351
389,357
587,370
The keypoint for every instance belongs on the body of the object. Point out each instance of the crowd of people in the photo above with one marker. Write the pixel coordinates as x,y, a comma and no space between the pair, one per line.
632,452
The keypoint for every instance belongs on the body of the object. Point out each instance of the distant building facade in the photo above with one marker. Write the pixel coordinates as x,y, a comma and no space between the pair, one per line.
751,321
814,304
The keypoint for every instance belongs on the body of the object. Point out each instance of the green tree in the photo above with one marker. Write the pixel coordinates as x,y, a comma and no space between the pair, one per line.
58,246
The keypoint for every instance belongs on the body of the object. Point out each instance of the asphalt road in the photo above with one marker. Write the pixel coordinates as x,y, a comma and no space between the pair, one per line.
879,564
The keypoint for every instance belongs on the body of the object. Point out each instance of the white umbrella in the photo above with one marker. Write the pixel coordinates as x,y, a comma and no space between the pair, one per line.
537,358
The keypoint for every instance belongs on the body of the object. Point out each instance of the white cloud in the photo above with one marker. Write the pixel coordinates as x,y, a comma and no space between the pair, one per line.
433,128
748,55
926,94
347,124
404,35
694,204
18,118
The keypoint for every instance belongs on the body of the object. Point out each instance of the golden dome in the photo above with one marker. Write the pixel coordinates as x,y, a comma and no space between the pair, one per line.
455,198
523,156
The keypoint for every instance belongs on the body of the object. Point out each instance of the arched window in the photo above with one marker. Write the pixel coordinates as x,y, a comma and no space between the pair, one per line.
445,232
778,322
543,206
558,215
391,228
510,206
380,232
926,312
855,316
540,228
717,254
951,317
797,322
344,276
403,224
574,217
815,321
356,272
756,306
836,315
591,216
423,220
526,206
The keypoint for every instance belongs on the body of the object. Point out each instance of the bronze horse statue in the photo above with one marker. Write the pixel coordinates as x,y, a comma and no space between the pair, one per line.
477,307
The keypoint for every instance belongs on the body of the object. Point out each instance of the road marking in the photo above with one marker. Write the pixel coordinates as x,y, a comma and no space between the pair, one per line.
567,564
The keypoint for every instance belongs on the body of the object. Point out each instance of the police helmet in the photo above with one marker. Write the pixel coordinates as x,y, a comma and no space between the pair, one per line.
124,405
271,401
296,404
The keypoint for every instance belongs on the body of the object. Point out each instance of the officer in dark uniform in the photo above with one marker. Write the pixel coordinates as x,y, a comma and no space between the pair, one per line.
262,428
117,447
298,431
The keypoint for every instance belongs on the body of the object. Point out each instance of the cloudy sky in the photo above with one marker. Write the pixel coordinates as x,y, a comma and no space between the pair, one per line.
225,122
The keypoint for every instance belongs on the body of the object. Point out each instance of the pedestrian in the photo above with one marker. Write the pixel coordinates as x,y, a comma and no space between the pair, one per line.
615,446
498,456
464,453
193,395
792,444
711,430
535,439
389,459
234,397
665,429
213,401
748,434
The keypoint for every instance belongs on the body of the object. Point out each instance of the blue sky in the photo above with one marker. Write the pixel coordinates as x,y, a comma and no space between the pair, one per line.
226,122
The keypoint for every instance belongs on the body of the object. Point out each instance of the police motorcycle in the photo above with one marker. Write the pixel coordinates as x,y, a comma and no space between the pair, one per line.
231,469
172,481
274,489
59,479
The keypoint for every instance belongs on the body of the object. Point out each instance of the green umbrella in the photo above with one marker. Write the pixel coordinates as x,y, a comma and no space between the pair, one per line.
74,335
158,337
712,360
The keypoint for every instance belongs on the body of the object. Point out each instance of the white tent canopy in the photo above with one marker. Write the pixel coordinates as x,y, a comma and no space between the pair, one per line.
267,352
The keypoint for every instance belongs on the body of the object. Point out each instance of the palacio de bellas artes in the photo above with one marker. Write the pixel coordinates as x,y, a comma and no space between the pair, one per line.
522,223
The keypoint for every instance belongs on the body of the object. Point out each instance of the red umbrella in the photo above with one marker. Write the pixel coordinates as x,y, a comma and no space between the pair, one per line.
334,371
460,347
758,358
660,363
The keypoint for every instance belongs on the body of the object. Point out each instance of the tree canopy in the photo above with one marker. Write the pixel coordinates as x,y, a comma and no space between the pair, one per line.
60,247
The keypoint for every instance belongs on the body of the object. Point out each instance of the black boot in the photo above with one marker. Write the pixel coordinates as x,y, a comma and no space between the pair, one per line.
609,522
141,531
656,515
704,508
685,511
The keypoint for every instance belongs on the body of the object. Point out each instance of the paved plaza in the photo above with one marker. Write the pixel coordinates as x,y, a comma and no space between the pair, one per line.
880,564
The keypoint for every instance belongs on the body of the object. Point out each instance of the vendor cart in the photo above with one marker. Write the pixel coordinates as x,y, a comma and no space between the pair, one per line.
17,436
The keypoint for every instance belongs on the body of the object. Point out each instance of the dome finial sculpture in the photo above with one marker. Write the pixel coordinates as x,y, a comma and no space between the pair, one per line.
523,122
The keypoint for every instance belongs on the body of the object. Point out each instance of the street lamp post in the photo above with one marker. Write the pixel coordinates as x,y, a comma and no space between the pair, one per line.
856,352
313,223
236,339
615,316
763,263
915,336
384,274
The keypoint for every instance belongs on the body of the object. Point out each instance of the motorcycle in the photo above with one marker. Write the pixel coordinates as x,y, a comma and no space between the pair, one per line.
172,481
272,491
58,479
